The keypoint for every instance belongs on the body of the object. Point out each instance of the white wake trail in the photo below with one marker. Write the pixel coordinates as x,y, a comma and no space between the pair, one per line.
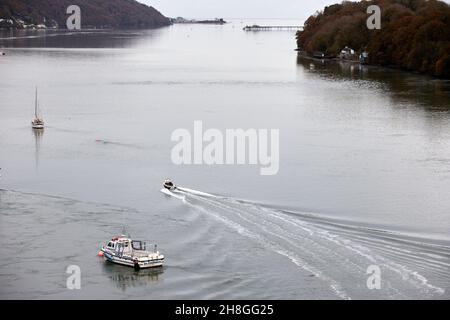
316,244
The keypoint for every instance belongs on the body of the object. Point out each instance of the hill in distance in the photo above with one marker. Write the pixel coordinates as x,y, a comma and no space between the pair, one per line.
119,14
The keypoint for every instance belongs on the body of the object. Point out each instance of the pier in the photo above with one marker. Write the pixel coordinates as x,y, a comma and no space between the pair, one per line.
272,28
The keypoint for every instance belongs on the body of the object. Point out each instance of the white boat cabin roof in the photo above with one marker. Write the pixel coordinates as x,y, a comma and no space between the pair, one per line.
125,240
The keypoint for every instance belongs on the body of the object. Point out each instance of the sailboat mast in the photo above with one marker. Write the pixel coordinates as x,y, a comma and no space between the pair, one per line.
35,104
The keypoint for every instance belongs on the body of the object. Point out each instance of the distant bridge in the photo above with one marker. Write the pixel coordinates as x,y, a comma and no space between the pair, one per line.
270,28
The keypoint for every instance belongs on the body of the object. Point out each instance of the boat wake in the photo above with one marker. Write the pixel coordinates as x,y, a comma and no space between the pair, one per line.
337,253
170,193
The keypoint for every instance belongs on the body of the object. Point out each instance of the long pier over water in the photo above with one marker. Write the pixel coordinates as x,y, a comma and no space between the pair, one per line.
271,28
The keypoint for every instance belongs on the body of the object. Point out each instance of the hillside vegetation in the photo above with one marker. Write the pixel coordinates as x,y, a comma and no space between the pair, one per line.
94,13
414,35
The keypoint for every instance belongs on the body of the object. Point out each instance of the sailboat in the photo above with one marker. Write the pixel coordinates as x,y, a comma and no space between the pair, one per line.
37,123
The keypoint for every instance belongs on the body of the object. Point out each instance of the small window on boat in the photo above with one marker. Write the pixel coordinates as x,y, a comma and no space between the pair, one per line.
111,245
138,245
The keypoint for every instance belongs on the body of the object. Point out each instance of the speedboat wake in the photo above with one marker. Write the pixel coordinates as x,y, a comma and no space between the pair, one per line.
339,253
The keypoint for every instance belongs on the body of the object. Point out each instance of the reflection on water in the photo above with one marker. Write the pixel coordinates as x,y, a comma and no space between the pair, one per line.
432,94
69,39
125,277
38,134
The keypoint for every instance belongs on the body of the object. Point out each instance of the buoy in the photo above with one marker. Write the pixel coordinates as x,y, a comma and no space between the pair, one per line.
100,254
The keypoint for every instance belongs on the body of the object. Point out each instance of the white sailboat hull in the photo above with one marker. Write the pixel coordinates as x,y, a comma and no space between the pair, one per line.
37,126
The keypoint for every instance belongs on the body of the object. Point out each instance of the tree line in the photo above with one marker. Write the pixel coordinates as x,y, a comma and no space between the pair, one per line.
414,34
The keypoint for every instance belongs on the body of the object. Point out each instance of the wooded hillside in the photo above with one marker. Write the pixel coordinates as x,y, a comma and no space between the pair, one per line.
414,35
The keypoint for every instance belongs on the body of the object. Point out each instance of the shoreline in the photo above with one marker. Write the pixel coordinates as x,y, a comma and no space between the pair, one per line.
303,54
89,28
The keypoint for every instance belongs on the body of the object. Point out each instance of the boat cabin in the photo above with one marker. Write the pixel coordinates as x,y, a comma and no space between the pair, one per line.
125,245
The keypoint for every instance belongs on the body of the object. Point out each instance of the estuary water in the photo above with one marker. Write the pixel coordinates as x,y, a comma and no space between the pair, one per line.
364,174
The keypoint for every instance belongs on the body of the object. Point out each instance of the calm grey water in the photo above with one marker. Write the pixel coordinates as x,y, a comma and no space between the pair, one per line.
364,169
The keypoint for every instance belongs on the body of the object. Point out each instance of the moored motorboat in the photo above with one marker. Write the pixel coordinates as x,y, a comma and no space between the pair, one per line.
168,184
132,253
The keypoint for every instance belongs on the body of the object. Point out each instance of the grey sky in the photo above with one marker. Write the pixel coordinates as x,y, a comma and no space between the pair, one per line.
297,9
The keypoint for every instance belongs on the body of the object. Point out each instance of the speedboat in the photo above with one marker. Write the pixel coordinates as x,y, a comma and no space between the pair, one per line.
132,253
168,184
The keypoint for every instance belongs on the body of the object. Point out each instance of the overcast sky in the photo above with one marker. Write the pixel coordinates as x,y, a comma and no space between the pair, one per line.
283,9
296,9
